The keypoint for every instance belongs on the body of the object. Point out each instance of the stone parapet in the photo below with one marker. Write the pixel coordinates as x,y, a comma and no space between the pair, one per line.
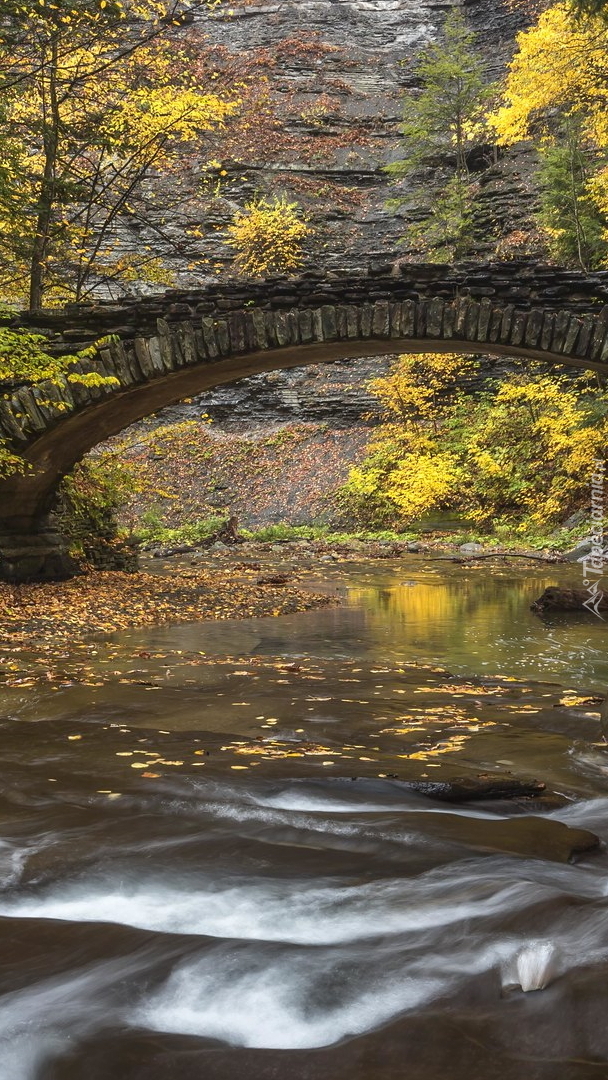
523,284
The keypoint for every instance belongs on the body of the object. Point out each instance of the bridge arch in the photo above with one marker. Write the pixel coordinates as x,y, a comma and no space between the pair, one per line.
54,426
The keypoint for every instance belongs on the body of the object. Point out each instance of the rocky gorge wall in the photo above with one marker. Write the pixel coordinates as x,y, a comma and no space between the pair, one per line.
360,84
350,94
342,109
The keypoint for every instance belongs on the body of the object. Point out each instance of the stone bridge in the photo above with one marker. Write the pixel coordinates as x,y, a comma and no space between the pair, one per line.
181,343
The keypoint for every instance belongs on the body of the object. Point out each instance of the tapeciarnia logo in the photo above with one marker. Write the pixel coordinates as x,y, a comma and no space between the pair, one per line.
595,599
595,561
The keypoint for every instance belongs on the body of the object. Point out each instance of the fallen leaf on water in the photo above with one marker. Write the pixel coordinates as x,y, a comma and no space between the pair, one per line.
573,700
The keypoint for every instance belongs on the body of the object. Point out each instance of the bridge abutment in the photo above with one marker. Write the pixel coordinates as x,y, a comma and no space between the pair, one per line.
34,551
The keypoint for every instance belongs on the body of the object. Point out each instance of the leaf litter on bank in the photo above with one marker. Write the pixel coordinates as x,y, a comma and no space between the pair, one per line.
103,602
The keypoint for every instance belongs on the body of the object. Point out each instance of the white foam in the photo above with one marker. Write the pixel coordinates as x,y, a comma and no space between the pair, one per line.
284,910
531,966
41,1020
367,834
588,813
534,965
24,1054
321,803
280,1004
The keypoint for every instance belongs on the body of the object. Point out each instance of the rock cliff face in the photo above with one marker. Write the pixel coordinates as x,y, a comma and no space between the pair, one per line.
340,106
339,103
328,393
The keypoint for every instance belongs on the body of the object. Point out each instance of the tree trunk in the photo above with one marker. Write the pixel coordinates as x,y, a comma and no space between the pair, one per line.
47,194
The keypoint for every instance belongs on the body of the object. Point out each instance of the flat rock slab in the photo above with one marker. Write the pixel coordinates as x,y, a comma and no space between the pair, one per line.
540,804
527,837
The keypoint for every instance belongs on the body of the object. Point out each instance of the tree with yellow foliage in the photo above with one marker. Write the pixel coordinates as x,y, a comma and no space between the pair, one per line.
520,454
421,387
409,469
531,446
99,101
24,361
555,96
268,236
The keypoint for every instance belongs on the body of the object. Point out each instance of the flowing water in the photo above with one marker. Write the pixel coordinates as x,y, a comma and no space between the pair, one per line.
213,868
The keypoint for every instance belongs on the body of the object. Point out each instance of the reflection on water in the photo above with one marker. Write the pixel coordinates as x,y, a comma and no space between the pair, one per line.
477,619
473,619
211,866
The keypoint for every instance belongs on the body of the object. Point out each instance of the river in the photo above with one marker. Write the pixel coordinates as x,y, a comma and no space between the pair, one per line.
213,867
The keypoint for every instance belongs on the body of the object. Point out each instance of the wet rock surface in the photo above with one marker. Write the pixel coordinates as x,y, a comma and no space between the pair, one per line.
528,837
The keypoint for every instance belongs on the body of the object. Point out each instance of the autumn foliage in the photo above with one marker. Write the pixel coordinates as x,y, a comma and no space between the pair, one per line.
520,454
97,100
555,99
268,236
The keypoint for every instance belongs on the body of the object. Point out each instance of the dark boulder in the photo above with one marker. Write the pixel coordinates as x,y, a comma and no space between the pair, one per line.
484,786
556,598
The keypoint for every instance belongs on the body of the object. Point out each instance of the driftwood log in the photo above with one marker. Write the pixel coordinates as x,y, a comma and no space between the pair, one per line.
558,599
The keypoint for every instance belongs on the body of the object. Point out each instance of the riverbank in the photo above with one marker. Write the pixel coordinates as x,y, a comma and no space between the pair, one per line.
263,473
190,583
188,477
102,602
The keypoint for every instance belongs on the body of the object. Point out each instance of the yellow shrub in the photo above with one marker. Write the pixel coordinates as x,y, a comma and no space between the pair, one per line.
422,482
268,236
